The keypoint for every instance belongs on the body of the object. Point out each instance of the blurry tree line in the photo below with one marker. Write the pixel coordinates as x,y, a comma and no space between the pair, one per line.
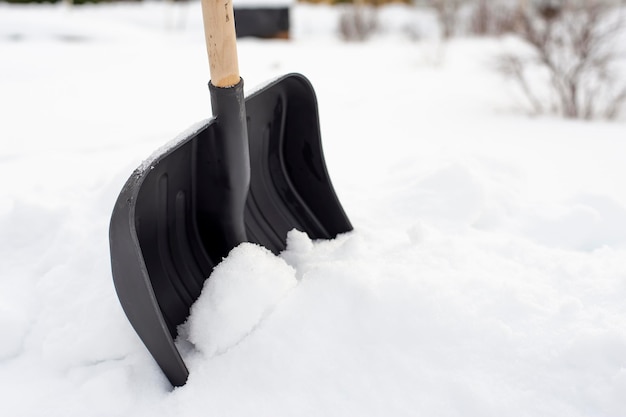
64,1
570,62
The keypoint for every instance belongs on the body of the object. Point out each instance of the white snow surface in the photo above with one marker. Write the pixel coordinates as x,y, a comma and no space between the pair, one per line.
485,276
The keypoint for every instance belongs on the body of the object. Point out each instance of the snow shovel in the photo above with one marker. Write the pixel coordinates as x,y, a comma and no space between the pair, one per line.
251,173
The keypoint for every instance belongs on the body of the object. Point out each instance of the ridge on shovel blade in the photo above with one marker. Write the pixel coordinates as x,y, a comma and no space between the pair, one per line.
165,227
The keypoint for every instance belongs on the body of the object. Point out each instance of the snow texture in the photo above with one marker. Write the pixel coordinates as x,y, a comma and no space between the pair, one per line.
239,296
486,274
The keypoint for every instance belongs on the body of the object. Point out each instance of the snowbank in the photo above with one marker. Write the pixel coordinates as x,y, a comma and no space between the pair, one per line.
485,275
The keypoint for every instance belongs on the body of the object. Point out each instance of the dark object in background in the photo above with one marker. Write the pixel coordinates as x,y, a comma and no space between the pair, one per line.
262,22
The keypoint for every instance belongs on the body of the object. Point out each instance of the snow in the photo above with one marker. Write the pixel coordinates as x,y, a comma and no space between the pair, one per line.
485,276
239,295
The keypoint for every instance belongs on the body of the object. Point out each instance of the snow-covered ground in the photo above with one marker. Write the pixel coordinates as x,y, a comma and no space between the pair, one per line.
486,275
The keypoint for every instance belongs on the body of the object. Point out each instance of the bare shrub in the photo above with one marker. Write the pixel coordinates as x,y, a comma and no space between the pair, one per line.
572,42
489,18
448,12
357,22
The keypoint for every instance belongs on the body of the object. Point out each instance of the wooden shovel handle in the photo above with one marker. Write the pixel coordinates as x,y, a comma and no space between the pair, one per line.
221,42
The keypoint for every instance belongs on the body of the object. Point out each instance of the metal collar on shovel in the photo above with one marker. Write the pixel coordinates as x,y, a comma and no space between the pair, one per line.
252,173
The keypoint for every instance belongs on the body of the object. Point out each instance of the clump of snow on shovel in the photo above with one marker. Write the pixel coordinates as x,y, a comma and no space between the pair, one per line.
242,290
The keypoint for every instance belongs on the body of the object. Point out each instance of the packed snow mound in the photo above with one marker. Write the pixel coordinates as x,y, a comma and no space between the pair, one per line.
242,291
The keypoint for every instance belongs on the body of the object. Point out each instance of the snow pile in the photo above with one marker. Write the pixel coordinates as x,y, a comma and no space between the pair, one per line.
427,324
485,276
239,295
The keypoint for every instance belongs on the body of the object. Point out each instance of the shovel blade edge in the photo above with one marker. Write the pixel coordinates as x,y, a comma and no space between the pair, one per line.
158,260
290,187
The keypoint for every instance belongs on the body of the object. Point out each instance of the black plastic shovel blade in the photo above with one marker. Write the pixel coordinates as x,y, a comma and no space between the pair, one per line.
167,228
